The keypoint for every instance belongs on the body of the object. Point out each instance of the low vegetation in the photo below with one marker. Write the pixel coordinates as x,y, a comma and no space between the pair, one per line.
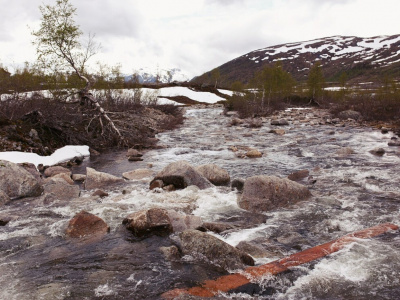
274,89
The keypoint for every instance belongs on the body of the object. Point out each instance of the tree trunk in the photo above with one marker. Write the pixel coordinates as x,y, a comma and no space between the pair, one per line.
85,96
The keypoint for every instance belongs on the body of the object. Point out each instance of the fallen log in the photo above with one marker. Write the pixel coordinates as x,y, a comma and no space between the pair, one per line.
230,282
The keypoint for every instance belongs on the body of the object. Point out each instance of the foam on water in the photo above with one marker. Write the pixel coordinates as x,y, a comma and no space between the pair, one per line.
235,238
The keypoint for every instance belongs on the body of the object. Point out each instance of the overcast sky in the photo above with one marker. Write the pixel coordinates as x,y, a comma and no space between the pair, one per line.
196,35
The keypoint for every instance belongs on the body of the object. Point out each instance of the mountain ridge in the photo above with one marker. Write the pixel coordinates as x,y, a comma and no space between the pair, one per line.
149,75
361,59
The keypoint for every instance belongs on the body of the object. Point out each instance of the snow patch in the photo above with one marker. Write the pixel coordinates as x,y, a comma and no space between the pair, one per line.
60,155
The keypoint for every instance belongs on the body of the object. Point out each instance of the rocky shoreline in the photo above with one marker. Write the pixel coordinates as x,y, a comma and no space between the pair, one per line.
186,234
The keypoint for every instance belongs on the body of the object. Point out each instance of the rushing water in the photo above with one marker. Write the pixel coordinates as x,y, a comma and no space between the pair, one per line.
351,192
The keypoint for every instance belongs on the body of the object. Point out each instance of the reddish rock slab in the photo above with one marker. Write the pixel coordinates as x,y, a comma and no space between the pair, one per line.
86,224
230,282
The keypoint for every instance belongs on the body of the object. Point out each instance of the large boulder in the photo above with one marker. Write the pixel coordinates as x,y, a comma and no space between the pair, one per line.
3,198
61,189
95,179
264,193
181,174
200,244
54,170
350,114
154,221
16,182
86,224
215,174
31,168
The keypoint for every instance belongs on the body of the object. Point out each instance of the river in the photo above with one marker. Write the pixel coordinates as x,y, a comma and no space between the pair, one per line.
352,191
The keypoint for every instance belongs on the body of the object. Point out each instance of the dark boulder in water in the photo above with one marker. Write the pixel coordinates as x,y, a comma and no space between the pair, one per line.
264,193
154,221
200,244
181,175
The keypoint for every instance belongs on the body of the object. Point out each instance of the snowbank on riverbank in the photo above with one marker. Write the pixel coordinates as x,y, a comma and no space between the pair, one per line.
60,155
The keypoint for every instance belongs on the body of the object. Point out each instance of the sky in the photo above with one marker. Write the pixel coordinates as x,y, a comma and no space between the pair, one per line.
197,35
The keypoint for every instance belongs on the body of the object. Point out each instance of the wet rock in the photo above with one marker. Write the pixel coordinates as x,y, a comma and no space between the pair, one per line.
264,193
94,152
254,250
299,175
86,224
41,168
278,131
394,143
181,222
279,122
169,188
100,193
64,176
78,177
253,153
4,198
31,168
138,174
54,170
345,151
293,240
171,253
156,184
329,201
217,227
378,151
181,174
238,184
215,174
61,189
148,222
350,114
199,244
236,121
95,179
134,158
133,153
384,130
5,219
16,182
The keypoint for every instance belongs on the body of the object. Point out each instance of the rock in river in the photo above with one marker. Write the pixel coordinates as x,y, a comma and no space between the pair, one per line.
215,174
264,193
201,244
16,182
95,179
86,224
181,174
148,222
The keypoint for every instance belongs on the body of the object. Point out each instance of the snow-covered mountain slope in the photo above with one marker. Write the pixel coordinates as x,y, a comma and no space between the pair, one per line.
360,58
149,75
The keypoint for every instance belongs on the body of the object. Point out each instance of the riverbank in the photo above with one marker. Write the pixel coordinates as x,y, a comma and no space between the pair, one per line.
351,189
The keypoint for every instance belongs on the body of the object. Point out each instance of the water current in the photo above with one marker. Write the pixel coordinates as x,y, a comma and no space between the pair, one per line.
351,192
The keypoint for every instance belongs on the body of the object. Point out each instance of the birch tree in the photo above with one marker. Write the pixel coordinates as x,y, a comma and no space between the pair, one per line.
58,46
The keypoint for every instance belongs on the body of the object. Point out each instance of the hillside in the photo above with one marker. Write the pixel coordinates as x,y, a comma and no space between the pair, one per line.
363,59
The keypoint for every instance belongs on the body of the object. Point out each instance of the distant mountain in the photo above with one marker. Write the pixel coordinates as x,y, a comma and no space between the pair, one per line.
361,58
148,75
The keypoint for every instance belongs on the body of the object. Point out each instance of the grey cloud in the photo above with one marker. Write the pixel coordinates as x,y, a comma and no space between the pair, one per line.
107,19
